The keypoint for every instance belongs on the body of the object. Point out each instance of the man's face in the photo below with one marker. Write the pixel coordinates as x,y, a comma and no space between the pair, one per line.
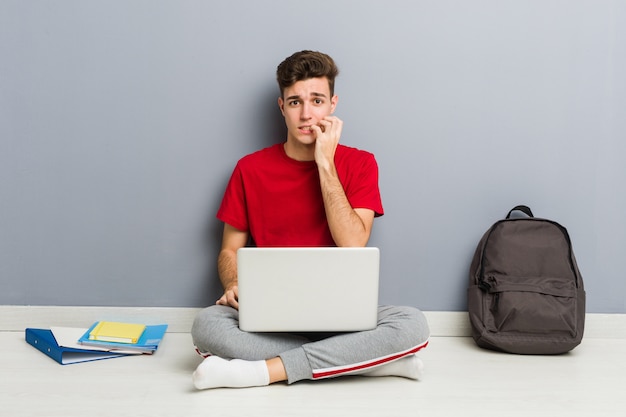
304,104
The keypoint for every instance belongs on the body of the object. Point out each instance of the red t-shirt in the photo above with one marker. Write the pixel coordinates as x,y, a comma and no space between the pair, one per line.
278,200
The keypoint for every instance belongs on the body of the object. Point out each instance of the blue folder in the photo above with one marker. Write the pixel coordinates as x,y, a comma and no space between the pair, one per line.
44,341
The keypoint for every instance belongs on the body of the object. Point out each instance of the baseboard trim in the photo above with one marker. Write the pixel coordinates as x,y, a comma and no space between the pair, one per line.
179,319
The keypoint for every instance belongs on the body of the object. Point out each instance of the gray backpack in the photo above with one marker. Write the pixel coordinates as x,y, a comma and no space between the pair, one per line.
525,292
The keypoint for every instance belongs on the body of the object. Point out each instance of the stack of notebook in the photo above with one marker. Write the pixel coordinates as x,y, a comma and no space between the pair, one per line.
103,340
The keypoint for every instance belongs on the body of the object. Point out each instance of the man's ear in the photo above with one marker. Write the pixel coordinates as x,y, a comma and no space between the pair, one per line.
281,105
333,103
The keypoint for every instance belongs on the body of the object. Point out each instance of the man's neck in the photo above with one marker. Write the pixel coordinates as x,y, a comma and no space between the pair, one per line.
299,151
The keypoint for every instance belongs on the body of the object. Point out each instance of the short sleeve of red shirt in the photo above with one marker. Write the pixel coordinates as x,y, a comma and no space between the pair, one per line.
278,200
358,173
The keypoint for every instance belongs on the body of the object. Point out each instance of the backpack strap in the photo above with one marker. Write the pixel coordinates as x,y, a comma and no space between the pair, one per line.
525,209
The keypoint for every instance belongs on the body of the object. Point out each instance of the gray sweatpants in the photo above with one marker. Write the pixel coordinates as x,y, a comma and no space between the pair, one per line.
401,331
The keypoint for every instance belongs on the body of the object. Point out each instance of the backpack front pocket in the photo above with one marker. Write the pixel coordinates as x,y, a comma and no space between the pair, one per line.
530,305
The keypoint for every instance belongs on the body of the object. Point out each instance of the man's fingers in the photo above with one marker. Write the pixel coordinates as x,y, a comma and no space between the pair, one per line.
230,298
329,124
317,129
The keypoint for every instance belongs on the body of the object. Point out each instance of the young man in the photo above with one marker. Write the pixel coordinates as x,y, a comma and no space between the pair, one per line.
308,191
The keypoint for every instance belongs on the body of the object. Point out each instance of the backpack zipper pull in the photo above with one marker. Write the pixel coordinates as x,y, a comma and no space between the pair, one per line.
484,285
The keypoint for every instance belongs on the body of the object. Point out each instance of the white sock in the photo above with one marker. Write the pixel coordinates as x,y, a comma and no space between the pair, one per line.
215,372
408,367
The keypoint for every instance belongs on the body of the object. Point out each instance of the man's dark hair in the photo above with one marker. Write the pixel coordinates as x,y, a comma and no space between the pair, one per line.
304,65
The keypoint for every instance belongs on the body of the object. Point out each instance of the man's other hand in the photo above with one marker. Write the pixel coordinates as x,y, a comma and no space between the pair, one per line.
230,298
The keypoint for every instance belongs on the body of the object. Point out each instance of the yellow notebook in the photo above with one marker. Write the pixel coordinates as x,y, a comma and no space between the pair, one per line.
110,331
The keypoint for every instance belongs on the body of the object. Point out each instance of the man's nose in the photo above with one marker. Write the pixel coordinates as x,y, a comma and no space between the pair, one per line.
305,111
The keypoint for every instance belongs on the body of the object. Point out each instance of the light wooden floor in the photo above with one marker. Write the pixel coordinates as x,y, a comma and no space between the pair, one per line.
460,379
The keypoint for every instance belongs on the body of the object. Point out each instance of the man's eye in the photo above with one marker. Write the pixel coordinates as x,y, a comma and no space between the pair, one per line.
294,103
318,101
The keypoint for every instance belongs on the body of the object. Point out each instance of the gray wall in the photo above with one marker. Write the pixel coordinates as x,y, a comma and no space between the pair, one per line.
120,122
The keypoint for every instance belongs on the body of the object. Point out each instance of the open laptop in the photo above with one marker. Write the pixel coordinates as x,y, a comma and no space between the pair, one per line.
320,289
